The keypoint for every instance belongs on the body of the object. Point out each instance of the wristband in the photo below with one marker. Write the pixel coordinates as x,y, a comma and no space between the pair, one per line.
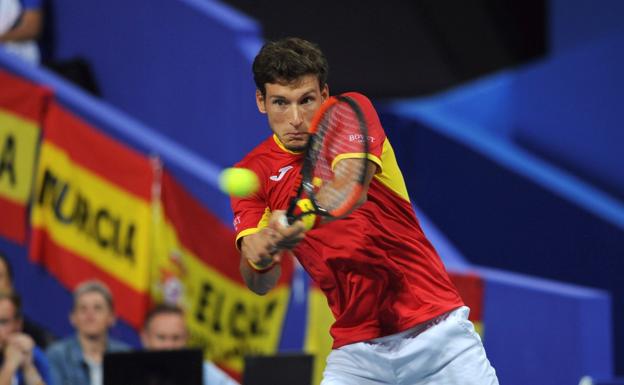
261,269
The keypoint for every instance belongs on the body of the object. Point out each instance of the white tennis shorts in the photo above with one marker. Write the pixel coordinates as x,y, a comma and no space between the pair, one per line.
444,351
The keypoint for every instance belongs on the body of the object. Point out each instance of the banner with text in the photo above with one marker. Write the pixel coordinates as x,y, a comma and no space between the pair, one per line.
196,266
22,105
91,211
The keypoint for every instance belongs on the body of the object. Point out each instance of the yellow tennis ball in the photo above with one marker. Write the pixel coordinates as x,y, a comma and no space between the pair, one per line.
238,182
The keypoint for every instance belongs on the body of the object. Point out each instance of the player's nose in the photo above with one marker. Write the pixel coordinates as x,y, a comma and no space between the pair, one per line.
296,117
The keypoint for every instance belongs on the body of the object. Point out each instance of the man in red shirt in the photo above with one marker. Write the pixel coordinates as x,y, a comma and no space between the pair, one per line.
399,319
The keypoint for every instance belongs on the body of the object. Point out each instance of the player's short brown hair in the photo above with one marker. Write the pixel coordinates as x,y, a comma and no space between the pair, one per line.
286,60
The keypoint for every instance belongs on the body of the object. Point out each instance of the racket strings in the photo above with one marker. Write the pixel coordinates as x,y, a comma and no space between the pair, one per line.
339,148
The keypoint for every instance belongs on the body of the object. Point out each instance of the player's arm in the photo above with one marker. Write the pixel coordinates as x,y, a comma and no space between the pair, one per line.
28,28
260,270
343,176
371,169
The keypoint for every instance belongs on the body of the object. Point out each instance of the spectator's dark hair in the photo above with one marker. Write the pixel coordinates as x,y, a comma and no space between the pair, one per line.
163,308
286,60
15,299
94,286
9,269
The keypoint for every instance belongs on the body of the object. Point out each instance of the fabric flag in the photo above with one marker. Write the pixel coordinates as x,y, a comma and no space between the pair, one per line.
91,211
471,288
197,267
22,105
318,341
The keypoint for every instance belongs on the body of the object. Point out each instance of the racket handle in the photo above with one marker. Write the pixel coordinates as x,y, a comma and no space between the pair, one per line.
287,220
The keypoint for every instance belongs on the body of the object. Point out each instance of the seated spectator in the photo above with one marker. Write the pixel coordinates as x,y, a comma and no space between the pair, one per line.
21,22
165,329
42,337
22,363
77,360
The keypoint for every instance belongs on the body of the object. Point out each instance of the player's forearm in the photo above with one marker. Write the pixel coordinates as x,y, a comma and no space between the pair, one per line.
259,282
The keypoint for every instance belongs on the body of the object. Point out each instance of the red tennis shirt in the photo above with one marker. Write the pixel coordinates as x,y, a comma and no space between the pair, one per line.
378,270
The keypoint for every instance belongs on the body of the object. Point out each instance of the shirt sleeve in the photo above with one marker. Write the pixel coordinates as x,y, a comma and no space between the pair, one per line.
375,133
43,366
54,356
251,214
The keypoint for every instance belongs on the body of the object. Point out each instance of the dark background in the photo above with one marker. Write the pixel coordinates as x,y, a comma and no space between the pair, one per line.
408,48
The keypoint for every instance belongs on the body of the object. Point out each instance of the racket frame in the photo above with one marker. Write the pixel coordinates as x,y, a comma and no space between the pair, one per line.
306,185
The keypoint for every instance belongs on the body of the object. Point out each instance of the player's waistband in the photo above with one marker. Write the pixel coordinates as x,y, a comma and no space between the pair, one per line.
413,331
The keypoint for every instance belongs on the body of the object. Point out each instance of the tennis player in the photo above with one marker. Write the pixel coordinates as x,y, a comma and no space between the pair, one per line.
399,319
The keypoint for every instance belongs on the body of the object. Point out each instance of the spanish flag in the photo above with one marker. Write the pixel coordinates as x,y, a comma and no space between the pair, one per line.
22,107
91,211
197,267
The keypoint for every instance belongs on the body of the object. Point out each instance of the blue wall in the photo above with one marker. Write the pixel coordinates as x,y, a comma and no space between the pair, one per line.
180,66
543,332
573,23
569,109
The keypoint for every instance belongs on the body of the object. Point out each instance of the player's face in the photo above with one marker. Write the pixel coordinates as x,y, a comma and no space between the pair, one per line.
165,332
92,316
290,108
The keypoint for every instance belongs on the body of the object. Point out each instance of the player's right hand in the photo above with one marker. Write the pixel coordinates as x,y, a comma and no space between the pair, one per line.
288,236
259,248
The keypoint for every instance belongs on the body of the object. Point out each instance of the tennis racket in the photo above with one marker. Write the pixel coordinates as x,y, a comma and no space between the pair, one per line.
335,163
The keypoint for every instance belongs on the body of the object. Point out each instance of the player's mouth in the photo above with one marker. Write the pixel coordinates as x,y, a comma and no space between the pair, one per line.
297,136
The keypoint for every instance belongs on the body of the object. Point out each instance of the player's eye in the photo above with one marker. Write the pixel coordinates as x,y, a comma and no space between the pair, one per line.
279,102
307,99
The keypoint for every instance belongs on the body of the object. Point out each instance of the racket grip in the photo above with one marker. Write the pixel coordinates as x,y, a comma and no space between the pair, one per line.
287,220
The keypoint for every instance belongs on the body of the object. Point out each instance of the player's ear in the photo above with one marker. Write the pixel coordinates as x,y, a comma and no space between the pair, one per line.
325,92
260,101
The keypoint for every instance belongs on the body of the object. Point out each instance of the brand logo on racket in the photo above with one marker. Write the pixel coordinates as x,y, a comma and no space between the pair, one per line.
282,172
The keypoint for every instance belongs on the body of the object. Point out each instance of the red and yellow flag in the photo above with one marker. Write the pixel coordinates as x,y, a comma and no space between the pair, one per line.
22,105
197,266
91,211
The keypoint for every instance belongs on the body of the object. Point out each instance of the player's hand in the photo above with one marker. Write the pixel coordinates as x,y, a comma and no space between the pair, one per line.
265,248
259,248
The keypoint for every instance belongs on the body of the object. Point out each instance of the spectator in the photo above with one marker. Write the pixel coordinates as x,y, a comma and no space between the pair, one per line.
77,360
42,337
21,22
165,329
22,362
